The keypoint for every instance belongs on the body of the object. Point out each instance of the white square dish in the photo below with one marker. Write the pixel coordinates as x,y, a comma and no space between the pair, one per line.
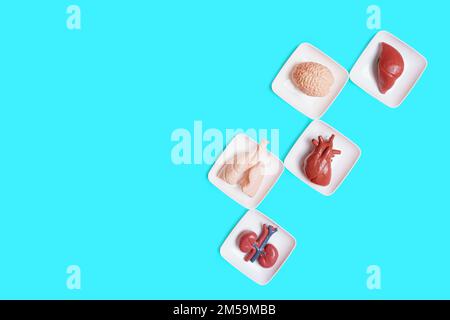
274,169
312,107
364,72
253,220
342,164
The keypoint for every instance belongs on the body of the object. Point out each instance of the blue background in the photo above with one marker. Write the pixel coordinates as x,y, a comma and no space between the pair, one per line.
86,176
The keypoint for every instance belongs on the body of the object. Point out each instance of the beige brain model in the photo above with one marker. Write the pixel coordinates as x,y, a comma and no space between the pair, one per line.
312,78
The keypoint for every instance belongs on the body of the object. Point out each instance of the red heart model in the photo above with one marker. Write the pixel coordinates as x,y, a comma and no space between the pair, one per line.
258,248
317,165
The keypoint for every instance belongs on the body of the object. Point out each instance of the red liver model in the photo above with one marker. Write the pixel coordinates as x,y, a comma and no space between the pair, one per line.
317,165
258,248
390,67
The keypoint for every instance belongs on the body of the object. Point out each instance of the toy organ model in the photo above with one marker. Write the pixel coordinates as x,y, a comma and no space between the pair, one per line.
390,67
258,248
317,165
246,169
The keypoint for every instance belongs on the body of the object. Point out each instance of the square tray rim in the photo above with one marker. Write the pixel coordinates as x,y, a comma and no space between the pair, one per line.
387,33
340,133
261,283
347,78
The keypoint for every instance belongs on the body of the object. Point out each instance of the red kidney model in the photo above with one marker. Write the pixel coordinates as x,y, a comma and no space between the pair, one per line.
390,67
317,165
258,248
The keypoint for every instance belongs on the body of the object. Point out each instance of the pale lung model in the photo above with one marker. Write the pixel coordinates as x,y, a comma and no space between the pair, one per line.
252,179
246,169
